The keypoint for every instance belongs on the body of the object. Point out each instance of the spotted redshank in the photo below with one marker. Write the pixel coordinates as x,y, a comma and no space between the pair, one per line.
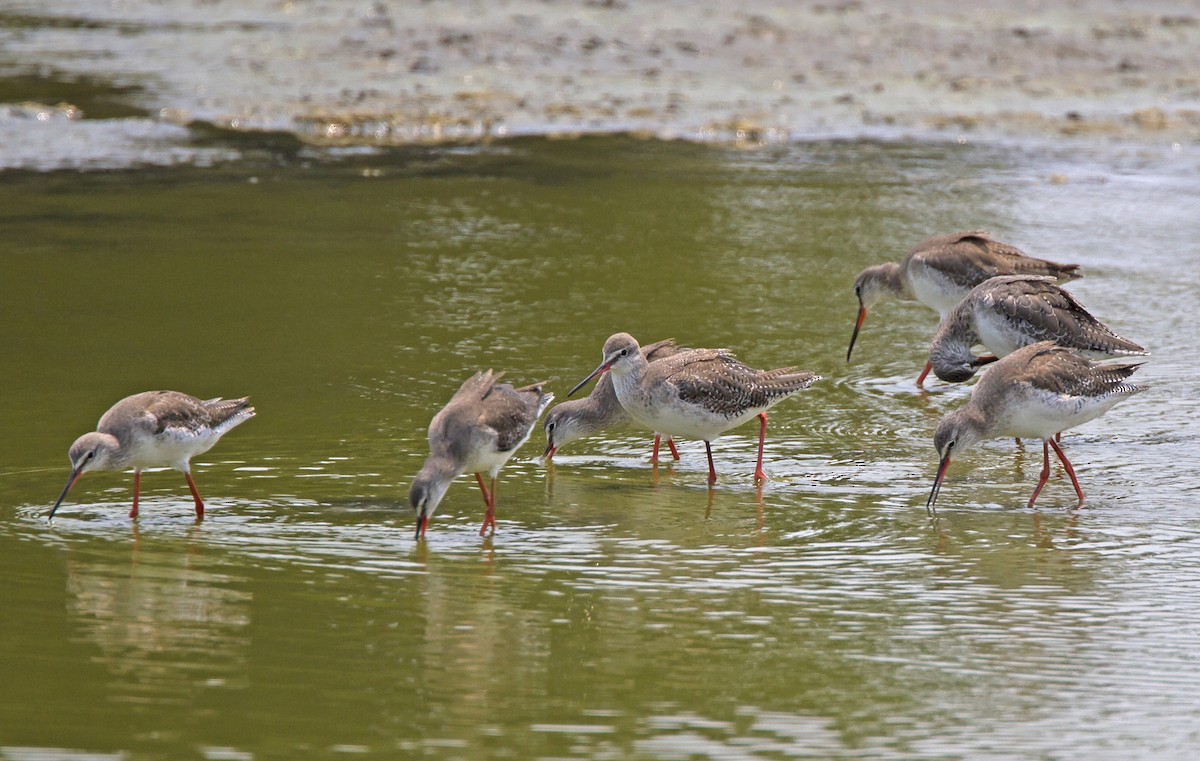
700,393
599,411
154,429
1036,392
940,271
478,430
1007,312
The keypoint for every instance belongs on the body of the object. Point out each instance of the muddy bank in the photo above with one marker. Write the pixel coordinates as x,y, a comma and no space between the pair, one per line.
386,73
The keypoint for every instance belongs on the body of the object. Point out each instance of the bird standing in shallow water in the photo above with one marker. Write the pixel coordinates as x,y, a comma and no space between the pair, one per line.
1007,312
599,410
154,429
940,271
1037,391
479,429
699,393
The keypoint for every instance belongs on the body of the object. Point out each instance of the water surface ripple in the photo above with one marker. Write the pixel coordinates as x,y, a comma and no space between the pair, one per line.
621,610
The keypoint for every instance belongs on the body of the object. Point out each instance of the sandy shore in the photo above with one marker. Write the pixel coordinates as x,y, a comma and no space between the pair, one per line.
403,72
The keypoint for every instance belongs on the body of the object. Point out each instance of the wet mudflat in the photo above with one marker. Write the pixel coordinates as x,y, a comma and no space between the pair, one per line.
619,611
92,83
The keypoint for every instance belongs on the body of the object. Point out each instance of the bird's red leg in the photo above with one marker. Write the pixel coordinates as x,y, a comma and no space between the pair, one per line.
654,456
137,487
1045,472
671,446
492,512
924,374
759,474
1070,470
712,471
489,499
195,496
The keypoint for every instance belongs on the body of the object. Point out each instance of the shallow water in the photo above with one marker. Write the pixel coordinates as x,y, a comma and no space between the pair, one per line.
619,611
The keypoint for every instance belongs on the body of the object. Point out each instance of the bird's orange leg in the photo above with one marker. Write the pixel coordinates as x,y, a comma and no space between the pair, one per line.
671,446
195,496
1070,470
1045,472
137,488
759,473
712,471
489,499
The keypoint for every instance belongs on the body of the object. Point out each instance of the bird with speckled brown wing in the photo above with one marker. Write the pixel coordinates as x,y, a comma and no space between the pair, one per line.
1035,392
154,429
478,430
940,271
1007,312
697,393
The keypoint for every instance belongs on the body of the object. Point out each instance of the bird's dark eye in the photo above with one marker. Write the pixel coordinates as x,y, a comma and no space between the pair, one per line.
624,352
550,426
90,455
857,289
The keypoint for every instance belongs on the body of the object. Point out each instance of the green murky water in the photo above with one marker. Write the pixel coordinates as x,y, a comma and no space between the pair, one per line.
618,612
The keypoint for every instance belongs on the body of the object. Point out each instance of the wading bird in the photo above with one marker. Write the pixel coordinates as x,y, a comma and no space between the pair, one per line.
696,393
1035,392
154,429
941,270
478,430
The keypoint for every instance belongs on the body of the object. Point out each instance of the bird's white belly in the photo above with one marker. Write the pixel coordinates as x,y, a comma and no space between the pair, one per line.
666,413
936,292
172,448
1045,413
489,460
997,334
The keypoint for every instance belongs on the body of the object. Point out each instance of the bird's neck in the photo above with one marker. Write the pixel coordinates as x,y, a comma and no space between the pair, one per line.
584,415
976,423
886,281
628,376
954,338
441,467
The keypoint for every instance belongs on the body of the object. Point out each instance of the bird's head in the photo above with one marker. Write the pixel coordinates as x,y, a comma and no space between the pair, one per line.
621,354
426,494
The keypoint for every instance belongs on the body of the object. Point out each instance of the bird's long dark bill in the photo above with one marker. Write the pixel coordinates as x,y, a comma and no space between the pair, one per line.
937,483
862,317
548,455
422,522
603,366
75,474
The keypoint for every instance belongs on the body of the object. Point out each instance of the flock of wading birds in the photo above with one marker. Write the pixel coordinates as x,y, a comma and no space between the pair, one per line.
1042,380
